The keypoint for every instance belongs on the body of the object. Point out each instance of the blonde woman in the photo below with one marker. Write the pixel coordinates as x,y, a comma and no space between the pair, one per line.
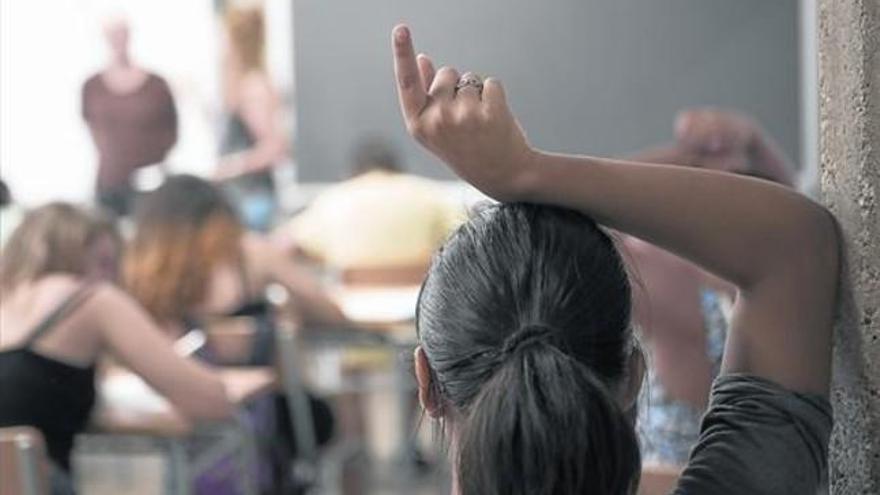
58,320
253,140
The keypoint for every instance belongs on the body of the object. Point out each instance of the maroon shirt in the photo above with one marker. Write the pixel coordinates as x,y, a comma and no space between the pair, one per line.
130,130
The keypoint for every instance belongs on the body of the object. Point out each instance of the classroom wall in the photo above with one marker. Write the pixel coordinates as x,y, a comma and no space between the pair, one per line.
583,75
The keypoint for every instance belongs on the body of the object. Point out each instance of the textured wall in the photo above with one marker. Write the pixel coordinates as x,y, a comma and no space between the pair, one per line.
849,73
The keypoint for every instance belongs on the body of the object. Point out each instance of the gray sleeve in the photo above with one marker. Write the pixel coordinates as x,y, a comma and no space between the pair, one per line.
759,438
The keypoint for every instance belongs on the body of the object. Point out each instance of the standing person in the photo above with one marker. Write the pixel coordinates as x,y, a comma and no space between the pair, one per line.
132,119
253,141
526,349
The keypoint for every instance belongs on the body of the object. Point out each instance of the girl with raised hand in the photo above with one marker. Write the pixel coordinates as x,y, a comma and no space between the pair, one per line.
526,351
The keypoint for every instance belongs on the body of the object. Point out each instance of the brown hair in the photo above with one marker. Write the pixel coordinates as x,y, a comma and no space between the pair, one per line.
54,238
247,36
185,229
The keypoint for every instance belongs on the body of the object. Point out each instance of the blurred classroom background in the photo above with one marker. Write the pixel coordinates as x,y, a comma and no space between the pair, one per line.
287,109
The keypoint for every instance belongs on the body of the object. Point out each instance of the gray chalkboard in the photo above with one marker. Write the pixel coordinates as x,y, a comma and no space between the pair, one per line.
591,76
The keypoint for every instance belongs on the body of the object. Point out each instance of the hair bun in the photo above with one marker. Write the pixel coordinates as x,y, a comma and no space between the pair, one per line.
531,333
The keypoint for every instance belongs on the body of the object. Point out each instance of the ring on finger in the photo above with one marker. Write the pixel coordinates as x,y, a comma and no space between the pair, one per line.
469,80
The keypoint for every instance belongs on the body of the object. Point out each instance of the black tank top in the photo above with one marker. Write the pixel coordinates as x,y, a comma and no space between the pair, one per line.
262,316
50,395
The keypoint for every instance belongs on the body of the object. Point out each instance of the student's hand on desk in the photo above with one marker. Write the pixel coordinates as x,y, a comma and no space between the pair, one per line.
473,131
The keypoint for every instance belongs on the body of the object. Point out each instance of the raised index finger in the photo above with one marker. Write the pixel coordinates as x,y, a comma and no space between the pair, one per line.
409,80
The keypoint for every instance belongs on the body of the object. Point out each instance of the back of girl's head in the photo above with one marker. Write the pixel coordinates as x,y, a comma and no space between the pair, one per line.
183,230
53,239
524,320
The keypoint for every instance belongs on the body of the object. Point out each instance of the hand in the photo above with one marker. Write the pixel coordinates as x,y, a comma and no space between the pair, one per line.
472,131
715,132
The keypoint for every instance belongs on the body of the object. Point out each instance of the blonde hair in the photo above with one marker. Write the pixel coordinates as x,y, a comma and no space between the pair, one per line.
247,36
54,238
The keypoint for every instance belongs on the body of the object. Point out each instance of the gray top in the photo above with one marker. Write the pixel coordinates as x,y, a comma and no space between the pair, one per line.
759,438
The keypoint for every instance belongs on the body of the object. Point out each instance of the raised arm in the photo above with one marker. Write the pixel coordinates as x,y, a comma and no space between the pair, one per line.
129,333
776,246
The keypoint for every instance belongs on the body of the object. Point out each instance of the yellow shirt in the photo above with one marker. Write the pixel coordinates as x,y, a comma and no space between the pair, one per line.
378,219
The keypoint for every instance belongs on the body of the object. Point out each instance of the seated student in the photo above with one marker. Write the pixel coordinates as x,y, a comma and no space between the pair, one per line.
59,319
191,261
680,309
527,354
381,217
193,265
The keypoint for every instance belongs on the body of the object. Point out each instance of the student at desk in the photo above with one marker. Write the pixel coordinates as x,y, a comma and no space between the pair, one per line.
380,218
193,266
58,320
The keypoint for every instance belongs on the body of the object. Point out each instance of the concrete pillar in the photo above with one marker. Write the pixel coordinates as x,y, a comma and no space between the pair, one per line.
849,108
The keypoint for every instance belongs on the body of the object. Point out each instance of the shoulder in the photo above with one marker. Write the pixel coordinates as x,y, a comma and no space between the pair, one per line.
158,83
106,297
154,78
57,289
93,80
755,436
259,250
260,255
59,282
92,85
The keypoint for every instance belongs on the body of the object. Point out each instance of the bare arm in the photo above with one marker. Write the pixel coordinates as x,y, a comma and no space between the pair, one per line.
779,248
259,109
309,297
171,117
128,332
669,153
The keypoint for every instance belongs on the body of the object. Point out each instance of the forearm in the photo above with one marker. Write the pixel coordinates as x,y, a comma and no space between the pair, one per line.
669,154
738,228
263,156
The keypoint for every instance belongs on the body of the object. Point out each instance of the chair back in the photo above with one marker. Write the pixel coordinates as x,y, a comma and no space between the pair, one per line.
24,465
385,276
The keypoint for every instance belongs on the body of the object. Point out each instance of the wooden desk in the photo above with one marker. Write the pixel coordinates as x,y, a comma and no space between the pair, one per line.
152,422
384,308
242,386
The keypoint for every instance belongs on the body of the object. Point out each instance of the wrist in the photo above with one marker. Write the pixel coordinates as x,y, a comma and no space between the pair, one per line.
526,185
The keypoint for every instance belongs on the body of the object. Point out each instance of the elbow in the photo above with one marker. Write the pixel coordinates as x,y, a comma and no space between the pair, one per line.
280,148
812,248
820,238
805,246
